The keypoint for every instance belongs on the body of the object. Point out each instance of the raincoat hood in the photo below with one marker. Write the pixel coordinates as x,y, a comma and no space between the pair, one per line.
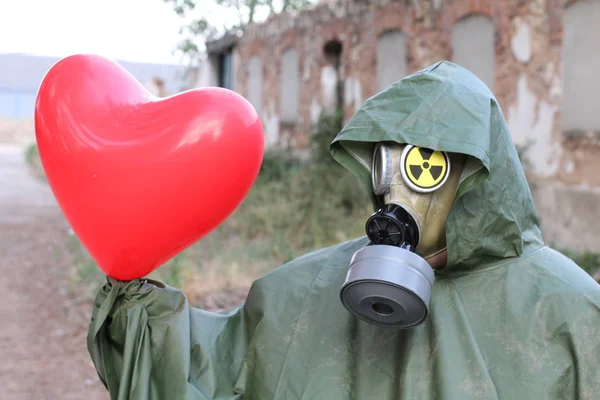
447,108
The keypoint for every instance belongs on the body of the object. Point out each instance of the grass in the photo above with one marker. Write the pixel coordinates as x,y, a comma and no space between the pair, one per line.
32,157
293,208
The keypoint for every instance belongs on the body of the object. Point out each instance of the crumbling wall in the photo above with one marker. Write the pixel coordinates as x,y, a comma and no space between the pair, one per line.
527,79
357,25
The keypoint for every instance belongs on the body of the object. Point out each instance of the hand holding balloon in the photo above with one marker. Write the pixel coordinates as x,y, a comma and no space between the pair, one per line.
141,178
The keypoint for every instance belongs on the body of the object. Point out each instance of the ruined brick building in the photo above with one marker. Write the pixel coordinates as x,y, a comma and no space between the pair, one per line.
539,57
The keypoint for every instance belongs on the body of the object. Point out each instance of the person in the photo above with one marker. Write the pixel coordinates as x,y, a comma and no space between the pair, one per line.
451,293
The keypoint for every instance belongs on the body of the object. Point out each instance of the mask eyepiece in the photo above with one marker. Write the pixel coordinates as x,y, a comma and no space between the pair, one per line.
393,226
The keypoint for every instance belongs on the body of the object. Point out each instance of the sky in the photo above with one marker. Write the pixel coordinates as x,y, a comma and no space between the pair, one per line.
130,30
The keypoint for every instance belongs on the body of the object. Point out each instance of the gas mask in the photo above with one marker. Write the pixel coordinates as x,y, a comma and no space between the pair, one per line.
389,282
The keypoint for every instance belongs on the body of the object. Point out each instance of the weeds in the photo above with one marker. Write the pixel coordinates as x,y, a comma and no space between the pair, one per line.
294,207
32,157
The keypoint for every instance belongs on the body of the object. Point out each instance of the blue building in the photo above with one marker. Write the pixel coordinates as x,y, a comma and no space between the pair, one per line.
21,75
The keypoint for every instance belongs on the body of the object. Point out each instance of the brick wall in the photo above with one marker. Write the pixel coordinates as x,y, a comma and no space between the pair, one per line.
357,25
528,70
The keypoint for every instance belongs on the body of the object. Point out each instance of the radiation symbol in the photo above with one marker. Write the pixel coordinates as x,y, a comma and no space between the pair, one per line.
424,170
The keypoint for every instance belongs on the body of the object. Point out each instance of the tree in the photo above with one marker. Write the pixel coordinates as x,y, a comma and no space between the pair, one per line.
203,25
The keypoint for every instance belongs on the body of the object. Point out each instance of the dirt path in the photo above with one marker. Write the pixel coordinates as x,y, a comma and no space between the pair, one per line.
43,352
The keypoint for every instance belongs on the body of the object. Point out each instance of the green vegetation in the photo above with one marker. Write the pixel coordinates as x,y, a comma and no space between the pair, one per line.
201,26
32,157
294,207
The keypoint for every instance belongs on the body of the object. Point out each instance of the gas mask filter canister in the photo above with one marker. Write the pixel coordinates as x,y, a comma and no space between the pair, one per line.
389,282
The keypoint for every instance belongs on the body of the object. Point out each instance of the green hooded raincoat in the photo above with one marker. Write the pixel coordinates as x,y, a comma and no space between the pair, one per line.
510,318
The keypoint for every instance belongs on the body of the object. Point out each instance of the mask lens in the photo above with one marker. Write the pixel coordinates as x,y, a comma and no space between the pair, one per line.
381,170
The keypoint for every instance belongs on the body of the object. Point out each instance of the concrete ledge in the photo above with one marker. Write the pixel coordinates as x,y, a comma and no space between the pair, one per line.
570,216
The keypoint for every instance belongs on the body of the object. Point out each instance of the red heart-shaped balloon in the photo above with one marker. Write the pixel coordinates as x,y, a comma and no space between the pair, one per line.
141,178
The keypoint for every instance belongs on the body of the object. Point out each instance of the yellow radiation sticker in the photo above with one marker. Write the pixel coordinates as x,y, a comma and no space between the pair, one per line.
424,170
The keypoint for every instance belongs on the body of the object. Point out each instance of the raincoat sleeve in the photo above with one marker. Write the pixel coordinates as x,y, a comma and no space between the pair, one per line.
147,343
573,320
